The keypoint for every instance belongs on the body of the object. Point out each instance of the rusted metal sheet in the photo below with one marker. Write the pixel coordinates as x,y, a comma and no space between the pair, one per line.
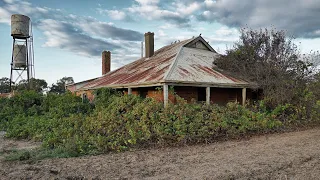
173,63
76,86
144,70
195,65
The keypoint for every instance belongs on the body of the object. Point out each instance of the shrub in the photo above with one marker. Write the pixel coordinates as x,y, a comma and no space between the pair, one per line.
119,122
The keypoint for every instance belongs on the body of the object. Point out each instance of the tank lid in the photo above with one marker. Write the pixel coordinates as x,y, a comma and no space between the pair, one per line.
27,17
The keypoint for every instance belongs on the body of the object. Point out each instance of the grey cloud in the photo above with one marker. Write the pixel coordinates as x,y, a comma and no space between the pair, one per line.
165,10
121,34
115,14
106,30
300,18
66,36
78,34
177,20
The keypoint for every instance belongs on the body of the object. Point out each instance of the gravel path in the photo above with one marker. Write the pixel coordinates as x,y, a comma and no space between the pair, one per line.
294,155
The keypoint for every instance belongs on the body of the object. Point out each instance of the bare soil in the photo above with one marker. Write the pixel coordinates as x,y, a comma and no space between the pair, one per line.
9,145
293,155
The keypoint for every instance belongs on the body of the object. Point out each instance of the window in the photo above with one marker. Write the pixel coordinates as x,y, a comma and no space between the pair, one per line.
84,97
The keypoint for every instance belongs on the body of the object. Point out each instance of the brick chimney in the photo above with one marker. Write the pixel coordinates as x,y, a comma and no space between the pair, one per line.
106,60
149,44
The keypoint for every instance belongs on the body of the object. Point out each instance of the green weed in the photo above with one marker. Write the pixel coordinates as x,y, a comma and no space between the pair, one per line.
68,127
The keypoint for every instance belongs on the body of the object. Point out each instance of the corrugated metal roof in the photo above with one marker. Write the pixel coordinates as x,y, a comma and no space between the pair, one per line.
78,85
173,63
143,71
195,65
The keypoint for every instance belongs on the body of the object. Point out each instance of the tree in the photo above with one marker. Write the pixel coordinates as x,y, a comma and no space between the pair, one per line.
4,85
272,61
60,86
314,86
38,85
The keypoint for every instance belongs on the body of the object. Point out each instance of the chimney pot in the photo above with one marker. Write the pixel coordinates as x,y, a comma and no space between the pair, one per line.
106,61
149,44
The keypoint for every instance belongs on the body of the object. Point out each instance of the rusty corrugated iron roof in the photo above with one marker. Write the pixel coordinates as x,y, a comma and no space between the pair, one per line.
143,71
78,85
175,63
196,65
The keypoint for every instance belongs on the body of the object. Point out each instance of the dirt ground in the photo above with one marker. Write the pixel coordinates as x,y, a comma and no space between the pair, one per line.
7,145
294,155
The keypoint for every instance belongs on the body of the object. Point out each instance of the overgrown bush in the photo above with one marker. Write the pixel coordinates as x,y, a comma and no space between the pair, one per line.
118,122
130,121
29,106
271,59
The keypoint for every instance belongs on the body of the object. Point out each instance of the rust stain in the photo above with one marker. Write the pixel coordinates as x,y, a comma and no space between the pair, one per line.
233,79
210,71
158,75
142,70
153,69
184,70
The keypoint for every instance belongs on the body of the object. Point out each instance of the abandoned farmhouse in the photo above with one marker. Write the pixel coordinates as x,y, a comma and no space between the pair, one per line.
185,68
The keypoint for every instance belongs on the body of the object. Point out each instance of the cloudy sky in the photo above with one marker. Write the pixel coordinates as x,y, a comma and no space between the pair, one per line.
70,35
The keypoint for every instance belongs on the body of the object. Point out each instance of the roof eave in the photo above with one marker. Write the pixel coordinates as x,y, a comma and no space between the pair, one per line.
210,84
176,83
133,85
72,84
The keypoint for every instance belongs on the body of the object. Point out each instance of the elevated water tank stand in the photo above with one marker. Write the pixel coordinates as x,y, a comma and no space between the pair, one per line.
19,70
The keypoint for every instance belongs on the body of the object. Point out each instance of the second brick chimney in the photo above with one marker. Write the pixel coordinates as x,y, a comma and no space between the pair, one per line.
106,61
149,44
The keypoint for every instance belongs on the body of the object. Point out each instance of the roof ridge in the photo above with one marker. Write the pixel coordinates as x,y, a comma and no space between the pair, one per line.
174,62
172,49
184,42
187,41
181,43
169,72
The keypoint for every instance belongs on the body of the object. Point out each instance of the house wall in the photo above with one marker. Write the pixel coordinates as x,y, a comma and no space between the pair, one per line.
222,96
134,91
89,94
187,92
71,88
158,95
219,96
151,92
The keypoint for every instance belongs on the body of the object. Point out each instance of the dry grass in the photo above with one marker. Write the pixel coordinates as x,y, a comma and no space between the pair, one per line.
276,156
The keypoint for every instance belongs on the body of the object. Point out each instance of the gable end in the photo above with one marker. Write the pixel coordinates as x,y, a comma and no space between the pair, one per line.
200,43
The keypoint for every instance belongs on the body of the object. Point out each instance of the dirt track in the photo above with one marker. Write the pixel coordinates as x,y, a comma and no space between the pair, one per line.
294,155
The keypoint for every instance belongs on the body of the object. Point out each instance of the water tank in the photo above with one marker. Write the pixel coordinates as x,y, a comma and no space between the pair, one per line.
20,26
19,56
